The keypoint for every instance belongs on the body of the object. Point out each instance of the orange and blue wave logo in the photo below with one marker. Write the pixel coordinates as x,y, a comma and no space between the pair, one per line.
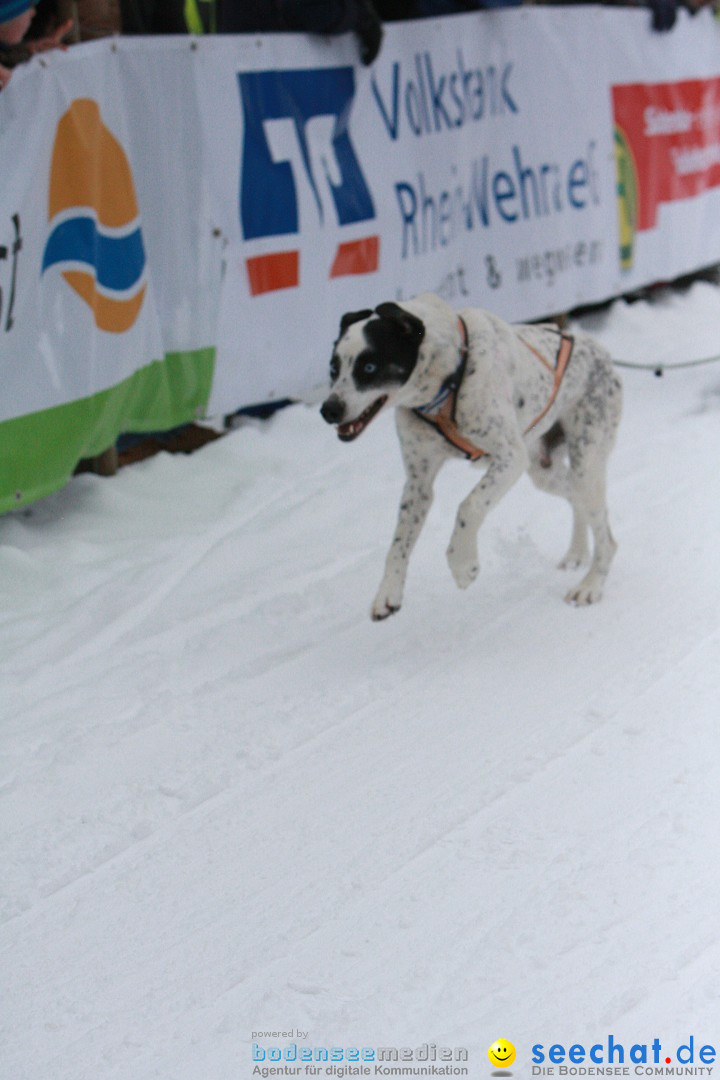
95,237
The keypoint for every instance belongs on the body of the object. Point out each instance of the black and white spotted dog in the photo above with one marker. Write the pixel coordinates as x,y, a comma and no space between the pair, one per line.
510,397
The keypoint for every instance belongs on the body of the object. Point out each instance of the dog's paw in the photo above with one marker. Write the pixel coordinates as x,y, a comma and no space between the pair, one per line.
589,591
463,573
463,562
386,603
383,610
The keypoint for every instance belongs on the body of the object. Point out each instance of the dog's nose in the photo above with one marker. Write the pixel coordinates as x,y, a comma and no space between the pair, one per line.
333,410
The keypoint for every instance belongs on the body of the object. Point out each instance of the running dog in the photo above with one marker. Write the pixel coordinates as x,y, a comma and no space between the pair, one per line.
513,398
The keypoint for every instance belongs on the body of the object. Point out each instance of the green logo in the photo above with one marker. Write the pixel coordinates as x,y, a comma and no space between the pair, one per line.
627,196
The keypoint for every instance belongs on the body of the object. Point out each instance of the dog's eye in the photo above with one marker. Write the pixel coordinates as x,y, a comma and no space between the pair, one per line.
368,370
334,368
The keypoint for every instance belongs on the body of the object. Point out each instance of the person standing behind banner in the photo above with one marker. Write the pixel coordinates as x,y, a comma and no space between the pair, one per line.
15,19
155,16
664,12
398,10
327,17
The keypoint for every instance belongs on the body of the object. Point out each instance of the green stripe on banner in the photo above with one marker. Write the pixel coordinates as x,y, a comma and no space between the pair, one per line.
39,452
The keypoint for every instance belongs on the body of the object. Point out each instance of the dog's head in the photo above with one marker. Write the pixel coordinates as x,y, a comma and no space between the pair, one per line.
373,358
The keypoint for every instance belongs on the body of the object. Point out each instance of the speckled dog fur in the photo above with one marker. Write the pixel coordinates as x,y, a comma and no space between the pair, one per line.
504,389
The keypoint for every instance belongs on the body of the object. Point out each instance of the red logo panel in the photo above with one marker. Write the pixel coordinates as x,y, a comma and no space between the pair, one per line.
673,132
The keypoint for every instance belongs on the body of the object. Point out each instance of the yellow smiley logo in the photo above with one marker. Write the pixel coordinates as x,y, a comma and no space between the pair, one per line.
501,1053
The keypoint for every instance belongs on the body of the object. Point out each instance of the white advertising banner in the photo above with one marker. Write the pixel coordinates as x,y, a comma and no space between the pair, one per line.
496,158
183,221
666,114
81,265
474,159
102,198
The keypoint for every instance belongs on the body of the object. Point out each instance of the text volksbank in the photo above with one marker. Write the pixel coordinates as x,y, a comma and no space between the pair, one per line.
469,195
293,1052
433,100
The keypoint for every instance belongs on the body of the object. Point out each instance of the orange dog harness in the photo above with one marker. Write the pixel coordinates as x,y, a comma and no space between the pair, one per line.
440,412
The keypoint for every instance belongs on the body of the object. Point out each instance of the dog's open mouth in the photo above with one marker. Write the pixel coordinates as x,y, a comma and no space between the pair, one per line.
349,431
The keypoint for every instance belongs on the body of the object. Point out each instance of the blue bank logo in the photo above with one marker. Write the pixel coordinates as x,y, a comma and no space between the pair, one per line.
296,133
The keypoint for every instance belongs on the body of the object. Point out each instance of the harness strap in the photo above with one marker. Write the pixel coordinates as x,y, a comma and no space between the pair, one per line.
444,423
562,360
443,420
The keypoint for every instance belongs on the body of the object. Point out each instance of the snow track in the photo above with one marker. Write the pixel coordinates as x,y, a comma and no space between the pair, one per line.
229,801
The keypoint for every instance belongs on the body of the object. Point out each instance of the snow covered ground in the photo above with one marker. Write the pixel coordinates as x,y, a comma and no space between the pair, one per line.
230,802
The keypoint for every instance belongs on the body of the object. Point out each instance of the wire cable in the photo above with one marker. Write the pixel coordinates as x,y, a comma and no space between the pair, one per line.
659,369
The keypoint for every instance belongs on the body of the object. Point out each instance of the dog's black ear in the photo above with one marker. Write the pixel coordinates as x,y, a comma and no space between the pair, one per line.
351,317
409,325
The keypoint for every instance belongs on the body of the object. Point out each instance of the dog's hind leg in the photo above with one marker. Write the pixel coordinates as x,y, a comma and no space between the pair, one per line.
590,588
591,436
549,471
578,552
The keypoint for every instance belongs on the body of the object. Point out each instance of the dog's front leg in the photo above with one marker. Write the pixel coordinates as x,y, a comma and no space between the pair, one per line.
415,503
503,471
